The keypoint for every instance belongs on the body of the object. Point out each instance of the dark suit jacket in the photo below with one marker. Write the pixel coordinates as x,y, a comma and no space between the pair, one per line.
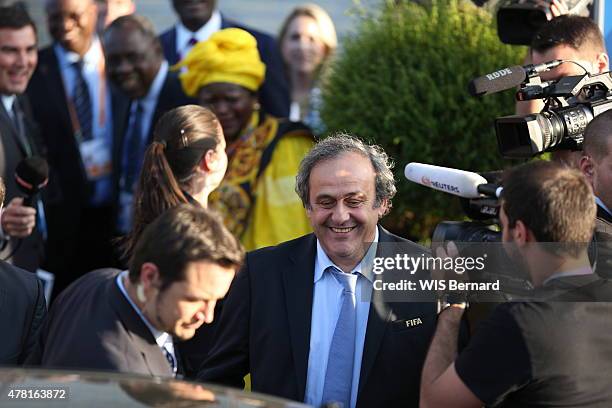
22,311
264,329
274,92
15,147
91,325
603,243
171,96
78,234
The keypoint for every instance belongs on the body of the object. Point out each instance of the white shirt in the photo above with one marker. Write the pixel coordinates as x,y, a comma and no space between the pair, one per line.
8,101
163,339
326,305
183,35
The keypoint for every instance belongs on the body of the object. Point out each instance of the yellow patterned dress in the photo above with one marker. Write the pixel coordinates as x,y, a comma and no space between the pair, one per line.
257,197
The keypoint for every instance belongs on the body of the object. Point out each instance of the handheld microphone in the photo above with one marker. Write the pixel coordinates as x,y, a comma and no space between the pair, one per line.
31,175
507,78
458,182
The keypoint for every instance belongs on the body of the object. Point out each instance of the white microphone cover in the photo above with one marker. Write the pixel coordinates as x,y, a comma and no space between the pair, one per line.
458,182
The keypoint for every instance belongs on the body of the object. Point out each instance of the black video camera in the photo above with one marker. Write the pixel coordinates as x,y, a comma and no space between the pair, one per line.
570,104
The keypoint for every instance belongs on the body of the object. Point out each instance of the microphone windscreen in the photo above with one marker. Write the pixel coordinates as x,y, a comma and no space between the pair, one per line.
31,174
497,81
458,182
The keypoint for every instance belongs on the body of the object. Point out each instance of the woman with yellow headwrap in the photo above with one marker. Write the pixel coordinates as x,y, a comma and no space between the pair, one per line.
257,197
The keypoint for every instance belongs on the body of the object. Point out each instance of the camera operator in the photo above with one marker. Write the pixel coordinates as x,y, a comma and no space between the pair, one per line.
566,37
596,165
534,353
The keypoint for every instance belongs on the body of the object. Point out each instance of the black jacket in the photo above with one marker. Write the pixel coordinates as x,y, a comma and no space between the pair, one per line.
22,312
264,329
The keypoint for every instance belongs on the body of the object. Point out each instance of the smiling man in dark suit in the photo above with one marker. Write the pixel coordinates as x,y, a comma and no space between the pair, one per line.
18,135
198,20
137,68
303,318
71,103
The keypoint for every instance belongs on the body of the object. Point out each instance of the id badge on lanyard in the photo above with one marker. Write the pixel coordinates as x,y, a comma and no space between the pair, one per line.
96,156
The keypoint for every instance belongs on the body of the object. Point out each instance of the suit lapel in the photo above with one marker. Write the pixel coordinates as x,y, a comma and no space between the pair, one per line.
298,279
173,57
378,318
55,85
139,333
603,214
121,115
161,106
11,131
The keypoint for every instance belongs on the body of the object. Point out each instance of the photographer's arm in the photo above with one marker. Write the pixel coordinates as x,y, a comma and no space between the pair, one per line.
440,384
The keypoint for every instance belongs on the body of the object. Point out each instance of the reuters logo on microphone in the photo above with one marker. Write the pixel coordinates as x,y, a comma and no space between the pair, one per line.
425,180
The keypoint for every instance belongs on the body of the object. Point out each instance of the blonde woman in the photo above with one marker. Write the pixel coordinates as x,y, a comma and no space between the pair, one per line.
307,39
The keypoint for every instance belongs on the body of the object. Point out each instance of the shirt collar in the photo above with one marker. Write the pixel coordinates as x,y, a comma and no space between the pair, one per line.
183,35
322,261
161,338
574,272
92,57
156,86
8,101
602,205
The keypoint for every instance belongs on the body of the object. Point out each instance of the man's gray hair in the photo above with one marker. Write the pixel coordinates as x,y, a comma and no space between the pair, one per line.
340,143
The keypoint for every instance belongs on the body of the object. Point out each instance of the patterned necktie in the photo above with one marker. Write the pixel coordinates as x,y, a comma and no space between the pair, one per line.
170,359
339,374
82,102
133,149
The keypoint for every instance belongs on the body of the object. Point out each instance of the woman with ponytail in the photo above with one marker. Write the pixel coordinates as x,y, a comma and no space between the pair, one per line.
185,162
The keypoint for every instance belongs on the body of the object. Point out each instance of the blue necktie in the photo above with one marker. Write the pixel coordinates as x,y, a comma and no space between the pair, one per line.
133,150
82,102
339,373
170,359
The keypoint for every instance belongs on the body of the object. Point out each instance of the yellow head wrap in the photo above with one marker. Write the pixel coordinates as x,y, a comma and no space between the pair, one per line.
229,55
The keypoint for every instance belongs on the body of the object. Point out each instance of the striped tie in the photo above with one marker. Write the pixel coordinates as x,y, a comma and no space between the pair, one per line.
82,102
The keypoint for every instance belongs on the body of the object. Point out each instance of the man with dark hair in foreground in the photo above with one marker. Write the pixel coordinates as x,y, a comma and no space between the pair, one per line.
126,321
534,353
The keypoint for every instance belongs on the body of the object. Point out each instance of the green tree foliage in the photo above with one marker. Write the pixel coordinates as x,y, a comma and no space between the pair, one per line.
401,81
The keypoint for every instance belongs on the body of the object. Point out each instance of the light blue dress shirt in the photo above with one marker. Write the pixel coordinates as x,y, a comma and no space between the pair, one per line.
326,305
163,339
91,64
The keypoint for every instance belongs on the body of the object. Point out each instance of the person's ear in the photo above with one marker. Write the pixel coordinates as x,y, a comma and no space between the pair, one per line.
587,167
210,161
602,63
149,277
520,233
